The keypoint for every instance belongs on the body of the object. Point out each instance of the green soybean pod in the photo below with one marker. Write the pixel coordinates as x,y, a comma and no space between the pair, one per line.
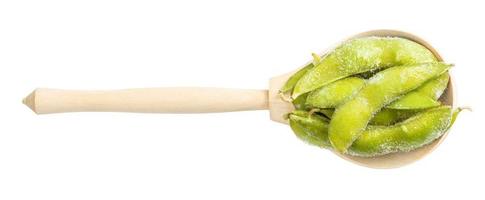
435,88
387,117
291,82
423,97
413,100
417,131
361,55
408,135
300,102
312,129
335,93
351,118
384,117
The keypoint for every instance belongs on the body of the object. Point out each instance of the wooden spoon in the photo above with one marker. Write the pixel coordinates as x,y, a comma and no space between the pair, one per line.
206,100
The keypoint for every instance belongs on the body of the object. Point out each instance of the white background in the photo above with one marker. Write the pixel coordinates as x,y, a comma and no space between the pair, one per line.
122,44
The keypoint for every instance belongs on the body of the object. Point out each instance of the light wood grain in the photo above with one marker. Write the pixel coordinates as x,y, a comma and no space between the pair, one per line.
147,100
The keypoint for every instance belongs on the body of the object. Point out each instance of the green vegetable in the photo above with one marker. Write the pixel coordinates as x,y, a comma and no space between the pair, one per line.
371,96
350,119
335,93
410,134
310,128
425,96
387,117
362,55
290,84
415,132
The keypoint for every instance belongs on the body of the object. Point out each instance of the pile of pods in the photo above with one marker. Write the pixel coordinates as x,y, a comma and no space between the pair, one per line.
370,96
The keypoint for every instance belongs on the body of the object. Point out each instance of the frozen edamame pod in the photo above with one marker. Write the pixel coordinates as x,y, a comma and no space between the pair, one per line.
291,82
423,97
350,119
300,102
309,128
384,117
413,100
408,135
362,55
435,88
335,93
415,132
387,117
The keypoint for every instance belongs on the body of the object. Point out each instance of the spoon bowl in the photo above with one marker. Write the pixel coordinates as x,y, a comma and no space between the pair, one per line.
279,108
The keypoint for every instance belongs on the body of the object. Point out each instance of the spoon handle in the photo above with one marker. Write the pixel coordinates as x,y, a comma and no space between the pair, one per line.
147,100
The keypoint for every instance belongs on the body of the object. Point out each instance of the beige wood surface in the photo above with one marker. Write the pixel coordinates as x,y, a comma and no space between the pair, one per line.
147,100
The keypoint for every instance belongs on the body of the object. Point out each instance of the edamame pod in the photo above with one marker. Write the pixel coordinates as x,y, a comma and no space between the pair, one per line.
413,100
300,102
310,128
435,88
423,97
362,55
417,131
291,82
410,134
387,117
335,93
350,119
384,117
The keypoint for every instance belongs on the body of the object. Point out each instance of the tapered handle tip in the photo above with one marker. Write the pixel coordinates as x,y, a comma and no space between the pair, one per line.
29,101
